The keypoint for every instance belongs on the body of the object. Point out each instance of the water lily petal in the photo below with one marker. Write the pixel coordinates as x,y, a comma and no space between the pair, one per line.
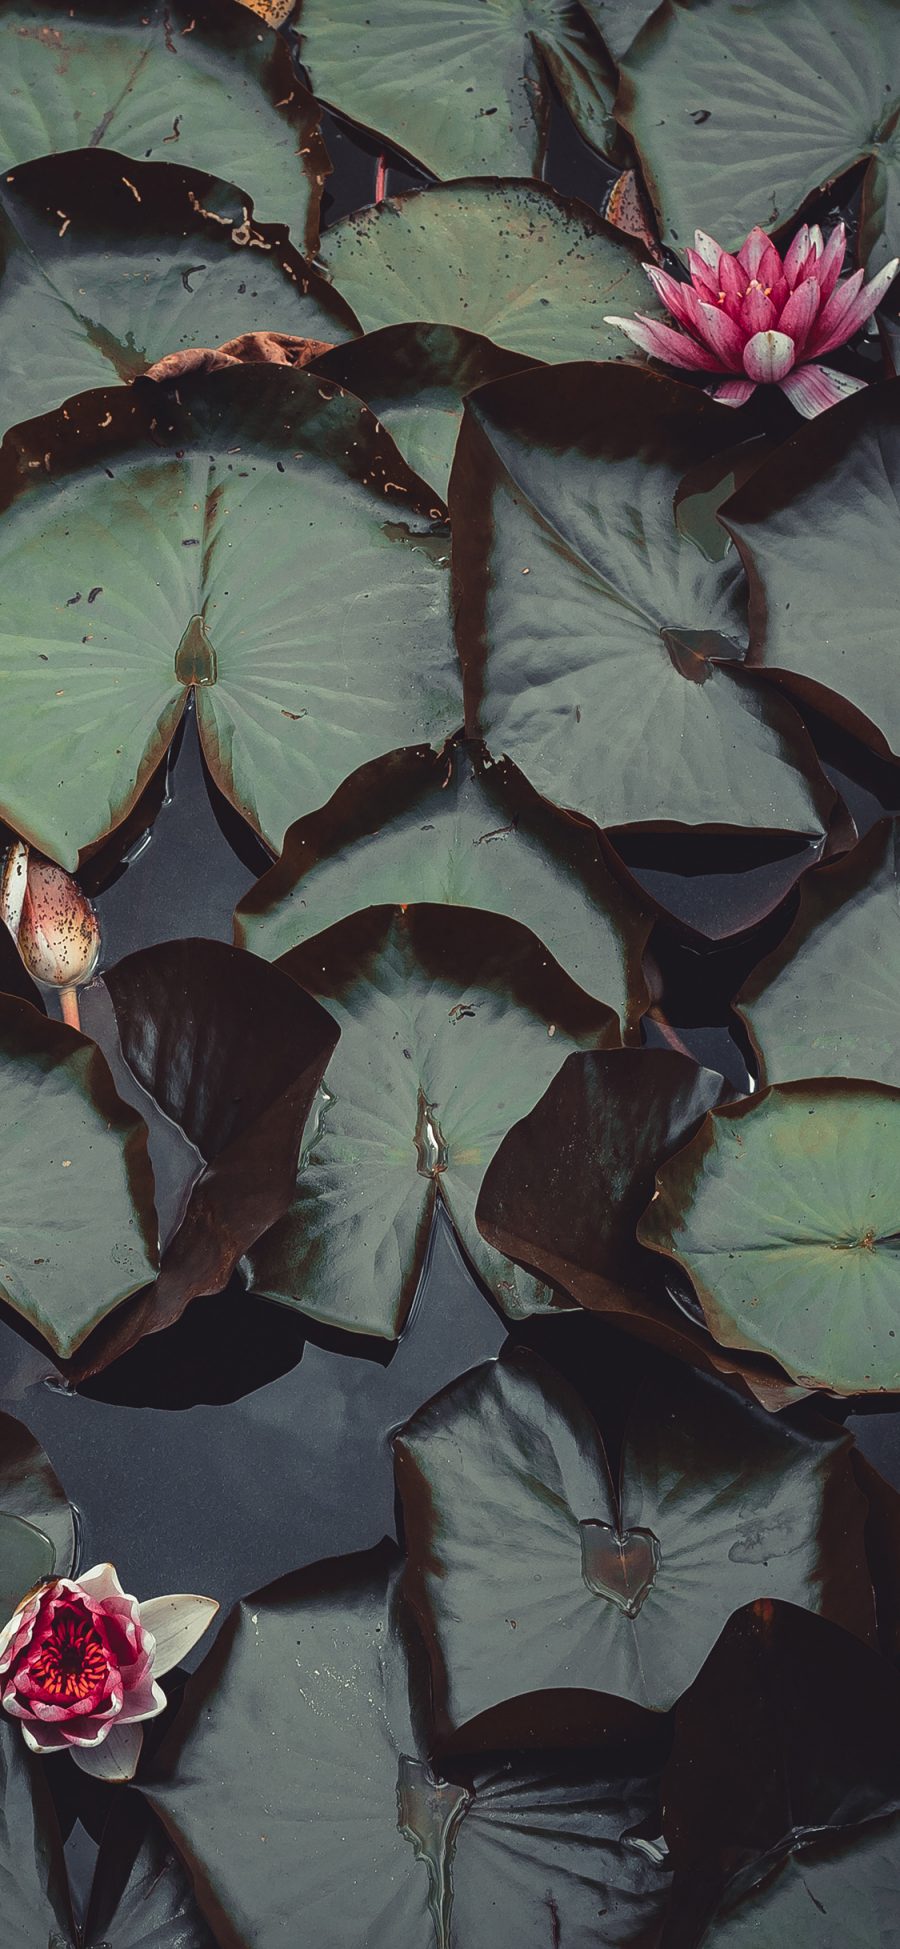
796,255
13,884
827,268
146,1702
116,1760
758,314
752,250
768,356
816,239
707,248
703,279
176,1623
733,392
849,307
800,312
43,1739
722,335
99,1582
769,270
663,342
811,389
680,299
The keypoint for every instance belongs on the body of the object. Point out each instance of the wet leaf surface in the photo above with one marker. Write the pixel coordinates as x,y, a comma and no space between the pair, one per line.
805,1016
79,1229
452,1022
740,116
233,1053
829,496
37,1523
457,829
586,619
317,1682
785,1212
218,528
134,270
162,83
474,98
512,261
531,1572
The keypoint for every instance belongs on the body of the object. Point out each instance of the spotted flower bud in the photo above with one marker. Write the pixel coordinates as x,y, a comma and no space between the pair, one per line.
51,921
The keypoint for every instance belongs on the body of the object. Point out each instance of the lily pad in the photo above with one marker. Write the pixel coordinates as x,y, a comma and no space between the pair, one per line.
233,1053
108,266
312,1704
415,378
512,261
462,88
530,1572
163,82
740,116
214,513
804,1014
785,1211
79,1226
37,1524
598,640
460,830
829,497
452,1023
618,21
852,1880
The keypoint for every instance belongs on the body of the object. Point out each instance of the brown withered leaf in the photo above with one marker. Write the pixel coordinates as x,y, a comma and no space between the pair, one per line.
250,348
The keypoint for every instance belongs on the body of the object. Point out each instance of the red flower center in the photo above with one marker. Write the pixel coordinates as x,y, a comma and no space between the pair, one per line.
72,1661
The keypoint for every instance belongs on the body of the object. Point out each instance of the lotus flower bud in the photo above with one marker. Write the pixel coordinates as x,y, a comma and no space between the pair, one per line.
51,921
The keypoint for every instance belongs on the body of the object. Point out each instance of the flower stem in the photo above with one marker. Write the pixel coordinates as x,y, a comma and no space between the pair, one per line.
68,998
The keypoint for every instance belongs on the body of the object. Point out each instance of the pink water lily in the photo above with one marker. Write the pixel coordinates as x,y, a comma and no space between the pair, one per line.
759,319
80,1662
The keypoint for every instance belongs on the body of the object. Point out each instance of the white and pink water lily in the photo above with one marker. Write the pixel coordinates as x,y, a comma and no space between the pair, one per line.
80,1664
757,319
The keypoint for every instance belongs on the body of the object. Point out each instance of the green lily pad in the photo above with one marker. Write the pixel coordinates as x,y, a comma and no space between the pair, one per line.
452,1023
37,1525
79,1224
191,543
198,82
512,261
530,1572
785,1211
740,115
598,640
618,21
837,1891
460,830
415,378
312,1710
806,1018
828,497
134,270
462,88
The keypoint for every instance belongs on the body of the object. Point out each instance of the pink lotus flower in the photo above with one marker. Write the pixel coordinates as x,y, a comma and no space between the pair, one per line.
764,318
79,1663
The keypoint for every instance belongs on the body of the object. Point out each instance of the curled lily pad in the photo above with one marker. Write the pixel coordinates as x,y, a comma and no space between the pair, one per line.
452,1022
215,513
312,1709
105,272
531,1572
600,642
232,1053
785,1211
741,115
79,1226
806,1018
160,80
457,829
462,88
37,1523
510,260
830,496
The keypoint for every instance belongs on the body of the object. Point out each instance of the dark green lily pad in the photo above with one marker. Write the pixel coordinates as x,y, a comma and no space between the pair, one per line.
618,21
197,82
530,1572
37,1525
460,830
311,1708
216,513
598,640
740,115
415,378
828,497
785,1211
834,1891
452,1023
133,270
826,1001
79,1224
460,87
512,261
